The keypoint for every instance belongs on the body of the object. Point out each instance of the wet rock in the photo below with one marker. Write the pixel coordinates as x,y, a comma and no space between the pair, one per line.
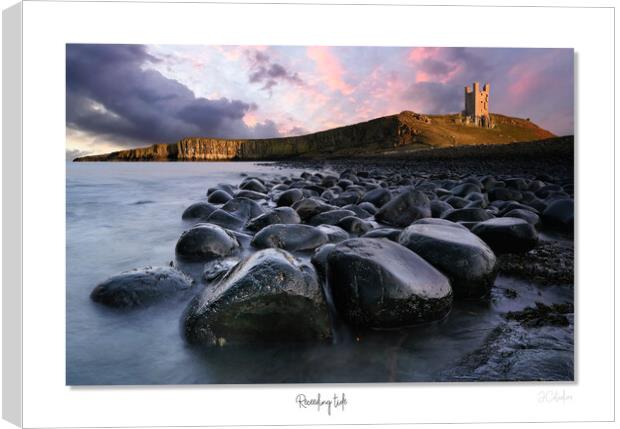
380,284
319,259
225,220
141,287
542,315
389,233
436,221
331,217
467,261
268,297
507,234
405,208
527,215
290,237
468,215
354,225
457,202
253,195
204,242
283,215
550,262
253,185
229,189
560,215
368,207
243,208
359,212
288,198
438,208
310,207
335,234
217,268
198,211
463,189
219,197
378,197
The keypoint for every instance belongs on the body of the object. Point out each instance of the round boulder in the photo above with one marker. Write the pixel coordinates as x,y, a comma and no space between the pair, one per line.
268,297
198,211
205,242
290,237
141,287
560,215
284,215
405,208
507,234
459,254
380,284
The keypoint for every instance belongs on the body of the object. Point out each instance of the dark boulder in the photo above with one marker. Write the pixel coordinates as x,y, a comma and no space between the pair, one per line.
354,225
219,197
310,207
141,287
198,211
268,297
204,242
468,215
331,217
243,208
335,234
405,208
288,198
459,254
507,234
389,233
225,220
284,215
290,237
380,284
253,185
560,215
378,197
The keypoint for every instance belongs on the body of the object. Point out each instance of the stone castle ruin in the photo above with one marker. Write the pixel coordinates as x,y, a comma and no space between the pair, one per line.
477,105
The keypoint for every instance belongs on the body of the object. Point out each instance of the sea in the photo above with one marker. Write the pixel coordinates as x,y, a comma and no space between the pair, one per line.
122,216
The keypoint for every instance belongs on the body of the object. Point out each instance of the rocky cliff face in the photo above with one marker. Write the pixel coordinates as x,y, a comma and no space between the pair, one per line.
405,131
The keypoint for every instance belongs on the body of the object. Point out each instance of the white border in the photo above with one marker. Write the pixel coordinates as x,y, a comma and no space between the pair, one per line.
48,26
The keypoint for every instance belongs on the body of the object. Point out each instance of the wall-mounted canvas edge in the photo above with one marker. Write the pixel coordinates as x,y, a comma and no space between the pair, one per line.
12,214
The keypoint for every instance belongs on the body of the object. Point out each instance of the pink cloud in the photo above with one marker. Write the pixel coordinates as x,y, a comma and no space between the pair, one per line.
330,68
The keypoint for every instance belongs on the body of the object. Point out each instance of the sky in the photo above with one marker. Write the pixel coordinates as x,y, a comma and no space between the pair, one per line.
124,96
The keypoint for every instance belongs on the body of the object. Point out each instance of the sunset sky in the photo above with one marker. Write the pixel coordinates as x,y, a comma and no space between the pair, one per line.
122,96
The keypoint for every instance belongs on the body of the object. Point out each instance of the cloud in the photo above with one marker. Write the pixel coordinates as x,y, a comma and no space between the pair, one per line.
330,68
71,154
434,97
112,94
268,73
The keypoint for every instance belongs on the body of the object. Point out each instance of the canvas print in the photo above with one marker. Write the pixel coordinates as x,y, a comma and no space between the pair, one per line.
318,214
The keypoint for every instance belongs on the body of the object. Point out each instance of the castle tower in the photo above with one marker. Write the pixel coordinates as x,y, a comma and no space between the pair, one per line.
477,105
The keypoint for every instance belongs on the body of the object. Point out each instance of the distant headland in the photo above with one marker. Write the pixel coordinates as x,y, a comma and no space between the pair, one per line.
404,132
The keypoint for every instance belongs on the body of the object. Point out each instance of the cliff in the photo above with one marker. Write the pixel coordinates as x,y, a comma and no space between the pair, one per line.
405,132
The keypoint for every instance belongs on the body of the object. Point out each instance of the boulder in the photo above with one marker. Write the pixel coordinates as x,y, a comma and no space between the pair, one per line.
141,287
225,220
198,211
560,215
219,197
467,261
507,234
270,296
354,225
290,237
468,215
380,284
319,259
378,197
284,215
335,234
405,208
204,242
389,233
243,208
310,207
253,185
331,217
288,198
527,215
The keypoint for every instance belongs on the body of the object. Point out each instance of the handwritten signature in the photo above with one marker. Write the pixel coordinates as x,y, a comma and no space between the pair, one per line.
551,396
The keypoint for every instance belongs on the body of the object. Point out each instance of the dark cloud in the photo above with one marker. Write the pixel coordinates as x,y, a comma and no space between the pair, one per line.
268,73
112,94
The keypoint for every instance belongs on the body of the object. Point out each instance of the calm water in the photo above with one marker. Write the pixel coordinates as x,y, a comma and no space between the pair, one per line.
128,215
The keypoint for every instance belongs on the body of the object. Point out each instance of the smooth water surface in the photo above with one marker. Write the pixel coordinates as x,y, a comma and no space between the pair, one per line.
122,216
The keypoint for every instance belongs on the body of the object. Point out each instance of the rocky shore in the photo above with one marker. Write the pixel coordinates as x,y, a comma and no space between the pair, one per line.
367,244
